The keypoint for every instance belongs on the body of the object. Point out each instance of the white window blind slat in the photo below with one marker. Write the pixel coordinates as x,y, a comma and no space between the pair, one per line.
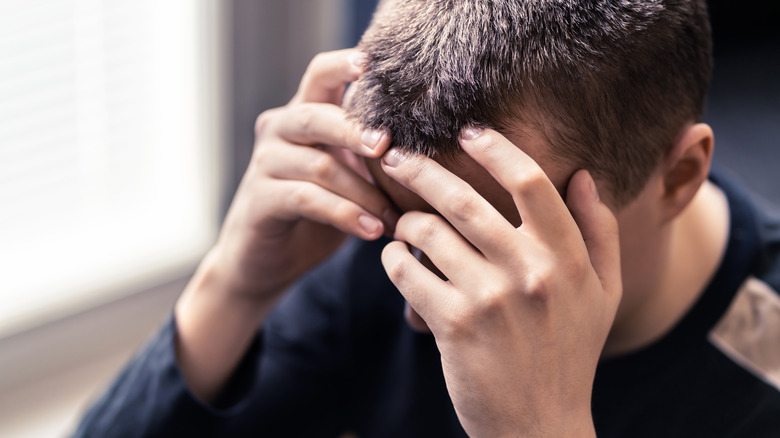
107,177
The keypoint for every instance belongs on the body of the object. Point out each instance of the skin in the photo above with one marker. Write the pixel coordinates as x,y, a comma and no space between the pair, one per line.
504,298
295,205
524,265
678,218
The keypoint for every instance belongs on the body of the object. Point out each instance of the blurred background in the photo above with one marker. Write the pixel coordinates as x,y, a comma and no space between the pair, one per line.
126,126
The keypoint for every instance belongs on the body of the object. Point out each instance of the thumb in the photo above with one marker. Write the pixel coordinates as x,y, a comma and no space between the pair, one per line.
599,229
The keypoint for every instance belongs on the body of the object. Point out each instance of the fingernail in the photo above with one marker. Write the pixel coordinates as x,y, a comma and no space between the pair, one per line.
371,138
471,132
593,189
358,59
393,157
369,224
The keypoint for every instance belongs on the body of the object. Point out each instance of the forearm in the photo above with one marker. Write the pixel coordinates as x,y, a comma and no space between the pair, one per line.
214,329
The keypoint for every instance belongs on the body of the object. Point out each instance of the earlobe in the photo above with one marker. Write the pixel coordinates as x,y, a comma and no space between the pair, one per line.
686,167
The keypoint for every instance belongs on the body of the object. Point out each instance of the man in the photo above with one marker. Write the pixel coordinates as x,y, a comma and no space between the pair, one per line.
557,236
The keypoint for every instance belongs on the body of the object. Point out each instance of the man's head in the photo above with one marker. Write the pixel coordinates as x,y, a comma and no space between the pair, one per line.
607,85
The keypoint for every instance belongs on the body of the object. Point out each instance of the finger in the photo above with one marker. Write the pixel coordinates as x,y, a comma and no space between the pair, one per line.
540,205
320,123
453,198
430,296
445,247
318,167
300,199
599,230
351,160
327,76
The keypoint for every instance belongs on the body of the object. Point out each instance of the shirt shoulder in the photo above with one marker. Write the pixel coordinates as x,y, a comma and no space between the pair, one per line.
748,332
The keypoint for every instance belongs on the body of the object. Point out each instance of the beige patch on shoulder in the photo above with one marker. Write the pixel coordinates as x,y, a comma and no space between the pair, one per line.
749,332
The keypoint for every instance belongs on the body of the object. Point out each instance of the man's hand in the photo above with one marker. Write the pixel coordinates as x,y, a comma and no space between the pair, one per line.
524,312
302,194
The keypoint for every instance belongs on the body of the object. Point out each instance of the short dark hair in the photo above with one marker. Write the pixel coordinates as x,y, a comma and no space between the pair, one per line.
609,84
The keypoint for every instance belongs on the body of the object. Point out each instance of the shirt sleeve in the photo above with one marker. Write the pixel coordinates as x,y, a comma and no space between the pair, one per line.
150,397
295,380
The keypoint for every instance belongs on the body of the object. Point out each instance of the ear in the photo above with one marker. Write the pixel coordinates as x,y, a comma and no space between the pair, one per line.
685,168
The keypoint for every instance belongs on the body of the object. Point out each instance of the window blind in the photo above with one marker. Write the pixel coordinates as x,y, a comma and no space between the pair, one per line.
108,164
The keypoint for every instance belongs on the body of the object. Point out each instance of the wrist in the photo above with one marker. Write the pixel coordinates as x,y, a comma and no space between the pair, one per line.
578,428
215,326
565,428
216,287
569,424
563,423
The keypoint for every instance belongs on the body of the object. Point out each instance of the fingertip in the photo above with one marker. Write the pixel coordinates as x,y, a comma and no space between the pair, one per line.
383,145
471,132
374,142
594,191
486,145
390,252
598,226
371,227
582,199
392,158
358,59
581,186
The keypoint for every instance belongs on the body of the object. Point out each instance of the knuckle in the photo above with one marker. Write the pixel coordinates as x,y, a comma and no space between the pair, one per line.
321,167
527,183
428,229
457,320
299,197
261,155
397,271
304,118
537,286
488,305
316,66
262,121
457,324
317,60
463,205
494,297
342,213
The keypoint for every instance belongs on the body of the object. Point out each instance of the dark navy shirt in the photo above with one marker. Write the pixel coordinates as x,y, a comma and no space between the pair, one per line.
337,356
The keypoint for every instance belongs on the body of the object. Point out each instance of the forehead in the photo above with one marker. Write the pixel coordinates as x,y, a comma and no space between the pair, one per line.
465,168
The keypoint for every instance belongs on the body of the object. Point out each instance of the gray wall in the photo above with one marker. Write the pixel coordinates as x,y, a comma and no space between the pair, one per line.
271,43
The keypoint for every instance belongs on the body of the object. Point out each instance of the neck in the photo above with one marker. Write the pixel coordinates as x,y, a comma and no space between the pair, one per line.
687,256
